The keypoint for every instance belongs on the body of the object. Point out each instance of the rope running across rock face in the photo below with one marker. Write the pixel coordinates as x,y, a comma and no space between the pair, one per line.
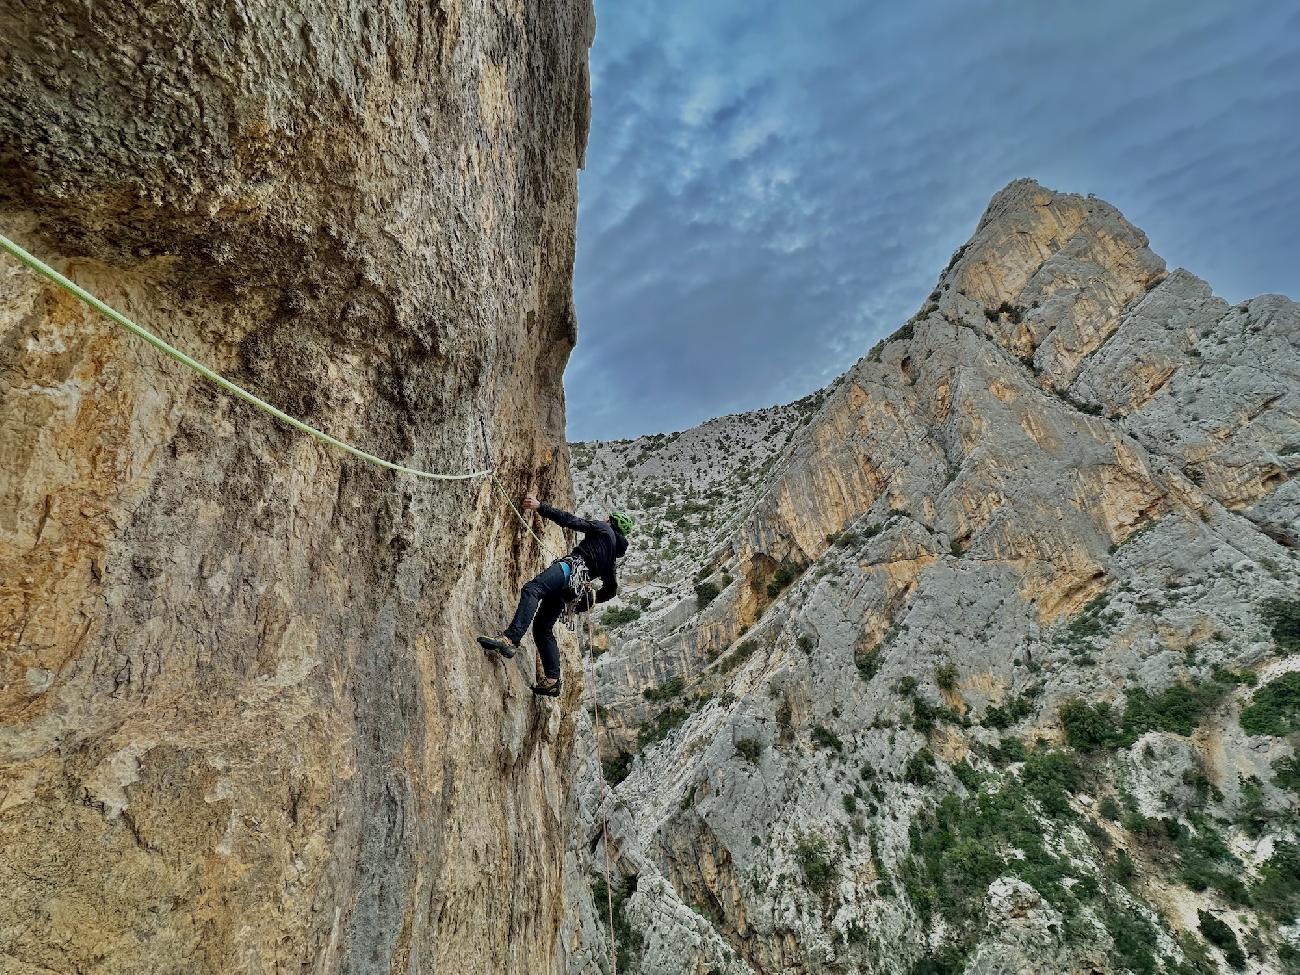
505,496
112,314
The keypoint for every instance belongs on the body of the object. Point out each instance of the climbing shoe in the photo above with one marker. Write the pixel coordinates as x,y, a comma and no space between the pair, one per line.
547,687
498,643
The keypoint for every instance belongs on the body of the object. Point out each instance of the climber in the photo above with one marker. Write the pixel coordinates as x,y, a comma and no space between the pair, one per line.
564,582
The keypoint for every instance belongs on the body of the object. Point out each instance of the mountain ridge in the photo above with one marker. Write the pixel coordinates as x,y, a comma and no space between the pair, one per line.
1000,510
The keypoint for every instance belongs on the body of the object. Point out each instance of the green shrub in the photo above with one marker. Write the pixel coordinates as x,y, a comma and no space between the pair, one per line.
925,714
1097,833
1051,777
1286,774
1177,709
1008,751
948,961
1225,676
1198,960
845,539
628,938
750,749
1275,708
1218,933
967,840
785,574
1091,622
617,769
816,862
1277,891
658,729
826,738
946,677
1204,860
705,593
785,717
920,768
959,847
738,656
1008,713
867,662
1135,534
619,615
904,333
1088,727
971,862
1253,811
1123,869
1283,615
968,775
672,688
1134,940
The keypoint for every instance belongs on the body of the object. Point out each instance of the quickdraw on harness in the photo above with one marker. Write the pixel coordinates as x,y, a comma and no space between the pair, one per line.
578,591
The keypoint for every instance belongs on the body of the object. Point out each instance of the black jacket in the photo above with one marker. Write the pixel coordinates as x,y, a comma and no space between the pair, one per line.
601,547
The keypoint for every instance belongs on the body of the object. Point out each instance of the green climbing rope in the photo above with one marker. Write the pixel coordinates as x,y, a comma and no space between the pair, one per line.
71,287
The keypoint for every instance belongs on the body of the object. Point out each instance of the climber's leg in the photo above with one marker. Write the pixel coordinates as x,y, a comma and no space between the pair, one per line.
544,634
547,582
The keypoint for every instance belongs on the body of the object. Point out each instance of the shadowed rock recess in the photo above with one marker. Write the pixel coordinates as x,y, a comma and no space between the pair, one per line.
986,658
243,723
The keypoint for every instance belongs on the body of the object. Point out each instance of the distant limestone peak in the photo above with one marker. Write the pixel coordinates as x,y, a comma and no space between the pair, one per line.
942,666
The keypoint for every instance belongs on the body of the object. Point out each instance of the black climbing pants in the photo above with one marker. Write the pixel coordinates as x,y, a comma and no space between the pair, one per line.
541,602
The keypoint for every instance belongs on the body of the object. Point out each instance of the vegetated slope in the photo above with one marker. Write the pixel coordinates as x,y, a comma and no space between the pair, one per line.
995,668
243,723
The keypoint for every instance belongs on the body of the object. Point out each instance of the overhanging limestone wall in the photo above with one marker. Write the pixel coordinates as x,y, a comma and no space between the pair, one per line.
243,725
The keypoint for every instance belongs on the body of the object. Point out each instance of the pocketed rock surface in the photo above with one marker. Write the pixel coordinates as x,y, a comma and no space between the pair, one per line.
992,666
244,726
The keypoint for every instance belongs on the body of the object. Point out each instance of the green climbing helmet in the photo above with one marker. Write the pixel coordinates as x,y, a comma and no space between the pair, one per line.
622,522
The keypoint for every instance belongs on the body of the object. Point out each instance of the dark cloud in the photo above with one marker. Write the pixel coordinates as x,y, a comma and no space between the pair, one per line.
771,187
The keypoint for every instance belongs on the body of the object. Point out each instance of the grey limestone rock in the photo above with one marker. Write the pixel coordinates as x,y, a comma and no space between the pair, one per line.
962,688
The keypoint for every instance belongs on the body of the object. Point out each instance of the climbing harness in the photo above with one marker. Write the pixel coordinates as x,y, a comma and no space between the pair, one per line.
77,291
579,582
581,591
577,591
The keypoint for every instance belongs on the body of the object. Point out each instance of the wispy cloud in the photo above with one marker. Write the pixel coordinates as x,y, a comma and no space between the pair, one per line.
771,187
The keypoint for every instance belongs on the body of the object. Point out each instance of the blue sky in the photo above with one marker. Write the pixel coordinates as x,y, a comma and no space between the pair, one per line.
771,186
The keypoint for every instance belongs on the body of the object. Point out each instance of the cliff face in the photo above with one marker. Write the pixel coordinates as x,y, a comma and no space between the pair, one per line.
952,664
243,724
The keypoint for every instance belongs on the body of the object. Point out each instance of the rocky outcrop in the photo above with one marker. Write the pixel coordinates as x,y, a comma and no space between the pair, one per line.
956,682
243,724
